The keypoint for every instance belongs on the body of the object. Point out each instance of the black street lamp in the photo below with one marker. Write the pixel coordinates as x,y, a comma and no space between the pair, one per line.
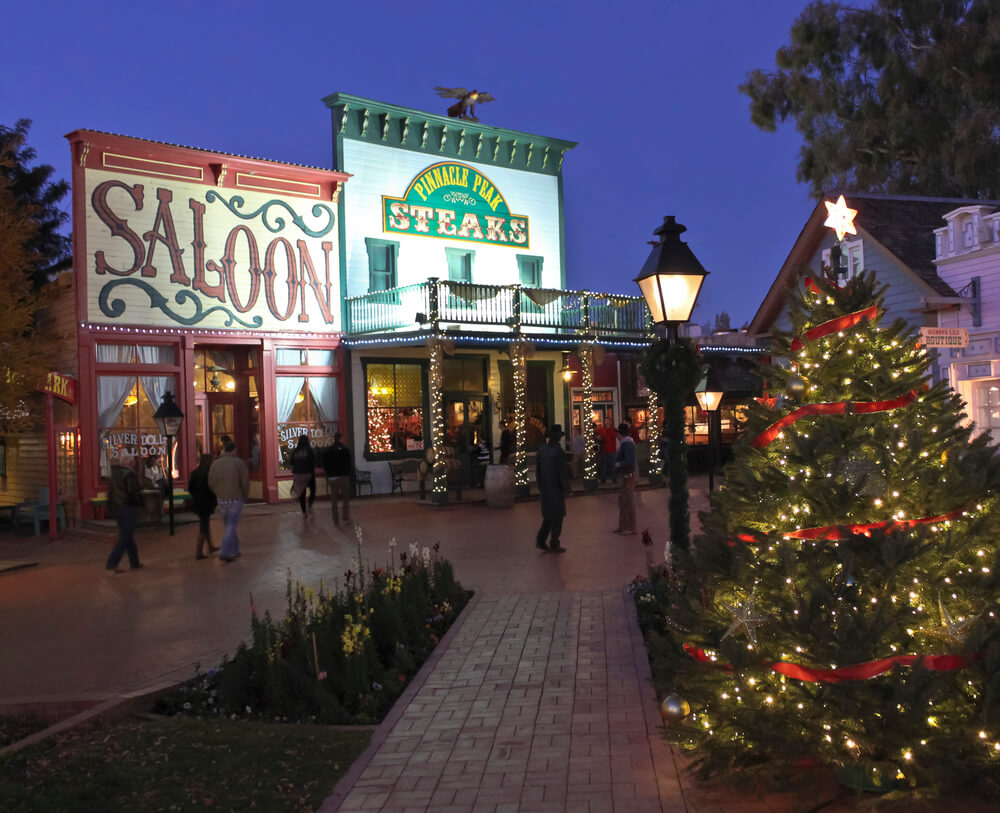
169,418
709,396
670,282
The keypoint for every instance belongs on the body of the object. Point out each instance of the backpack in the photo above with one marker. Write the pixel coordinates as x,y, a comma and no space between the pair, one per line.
124,489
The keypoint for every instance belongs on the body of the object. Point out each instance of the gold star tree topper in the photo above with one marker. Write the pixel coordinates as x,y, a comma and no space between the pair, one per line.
840,218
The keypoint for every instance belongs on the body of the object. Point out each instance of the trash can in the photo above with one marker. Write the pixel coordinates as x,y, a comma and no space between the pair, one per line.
152,504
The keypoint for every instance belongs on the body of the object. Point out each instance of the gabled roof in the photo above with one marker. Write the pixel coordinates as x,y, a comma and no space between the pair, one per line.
902,224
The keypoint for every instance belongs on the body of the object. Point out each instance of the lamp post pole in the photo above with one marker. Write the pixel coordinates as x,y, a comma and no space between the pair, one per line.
709,397
670,281
168,419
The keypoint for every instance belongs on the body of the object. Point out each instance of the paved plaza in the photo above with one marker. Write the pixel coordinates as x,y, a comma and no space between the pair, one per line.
538,699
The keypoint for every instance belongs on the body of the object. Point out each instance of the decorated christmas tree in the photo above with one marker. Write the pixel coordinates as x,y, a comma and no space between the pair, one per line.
840,606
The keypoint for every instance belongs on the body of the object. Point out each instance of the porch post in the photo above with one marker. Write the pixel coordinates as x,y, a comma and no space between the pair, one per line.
586,354
439,490
653,434
522,486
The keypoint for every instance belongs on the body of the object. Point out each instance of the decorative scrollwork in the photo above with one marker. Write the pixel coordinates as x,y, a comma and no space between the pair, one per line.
115,308
459,197
236,202
406,129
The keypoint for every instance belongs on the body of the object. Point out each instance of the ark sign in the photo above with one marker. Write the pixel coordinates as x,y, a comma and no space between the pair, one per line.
455,202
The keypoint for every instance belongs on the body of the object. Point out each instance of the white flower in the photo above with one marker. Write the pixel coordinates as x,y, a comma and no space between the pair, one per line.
414,550
426,553
392,542
359,534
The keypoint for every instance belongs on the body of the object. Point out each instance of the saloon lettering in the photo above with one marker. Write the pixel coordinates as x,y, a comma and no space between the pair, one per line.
286,272
454,200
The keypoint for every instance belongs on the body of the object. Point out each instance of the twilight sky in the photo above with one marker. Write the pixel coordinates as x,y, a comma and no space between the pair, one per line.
648,89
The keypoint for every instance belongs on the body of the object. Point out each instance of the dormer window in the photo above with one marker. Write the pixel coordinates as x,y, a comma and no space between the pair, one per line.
969,234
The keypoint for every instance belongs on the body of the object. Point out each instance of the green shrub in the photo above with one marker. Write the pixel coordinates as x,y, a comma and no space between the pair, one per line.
338,657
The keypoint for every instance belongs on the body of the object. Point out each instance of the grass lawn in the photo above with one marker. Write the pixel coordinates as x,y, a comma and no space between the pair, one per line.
13,729
179,764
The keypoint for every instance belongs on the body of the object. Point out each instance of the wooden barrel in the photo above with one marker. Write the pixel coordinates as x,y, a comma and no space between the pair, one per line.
499,486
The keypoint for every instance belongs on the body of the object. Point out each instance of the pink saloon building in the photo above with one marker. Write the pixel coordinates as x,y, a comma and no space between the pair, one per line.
213,277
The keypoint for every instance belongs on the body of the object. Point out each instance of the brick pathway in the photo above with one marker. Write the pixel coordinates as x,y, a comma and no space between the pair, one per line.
538,703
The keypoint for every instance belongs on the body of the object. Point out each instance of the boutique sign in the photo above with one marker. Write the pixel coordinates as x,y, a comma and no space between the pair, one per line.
174,253
454,201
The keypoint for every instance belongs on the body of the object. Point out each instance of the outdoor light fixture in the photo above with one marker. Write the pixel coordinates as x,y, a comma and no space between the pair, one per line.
168,419
565,371
709,396
670,282
672,276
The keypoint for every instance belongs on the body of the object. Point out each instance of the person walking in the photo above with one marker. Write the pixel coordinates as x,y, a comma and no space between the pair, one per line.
507,441
203,502
625,466
338,468
124,499
552,476
304,474
483,459
229,479
609,448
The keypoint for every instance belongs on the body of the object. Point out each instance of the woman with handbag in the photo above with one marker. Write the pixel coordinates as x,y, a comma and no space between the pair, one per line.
203,502
304,474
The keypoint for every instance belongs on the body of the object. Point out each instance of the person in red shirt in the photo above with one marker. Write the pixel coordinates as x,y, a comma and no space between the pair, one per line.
609,448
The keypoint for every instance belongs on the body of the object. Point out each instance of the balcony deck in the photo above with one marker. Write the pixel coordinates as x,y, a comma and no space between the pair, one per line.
502,309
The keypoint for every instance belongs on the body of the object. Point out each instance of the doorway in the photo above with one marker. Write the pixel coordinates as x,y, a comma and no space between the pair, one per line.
225,397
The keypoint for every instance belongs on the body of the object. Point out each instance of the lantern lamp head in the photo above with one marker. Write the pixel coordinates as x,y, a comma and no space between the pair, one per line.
672,277
169,416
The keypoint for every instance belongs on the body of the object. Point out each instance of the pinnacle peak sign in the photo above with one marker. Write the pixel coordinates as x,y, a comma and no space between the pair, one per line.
454,201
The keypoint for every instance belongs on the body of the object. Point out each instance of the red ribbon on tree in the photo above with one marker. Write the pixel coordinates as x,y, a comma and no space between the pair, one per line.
835,532
858,671
834,326
837,408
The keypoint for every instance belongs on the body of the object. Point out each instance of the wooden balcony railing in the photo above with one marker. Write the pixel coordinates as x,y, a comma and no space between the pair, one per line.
510,307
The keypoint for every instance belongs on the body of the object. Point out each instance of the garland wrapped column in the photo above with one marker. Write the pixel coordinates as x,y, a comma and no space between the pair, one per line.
439,491
586,354
519,363
653,435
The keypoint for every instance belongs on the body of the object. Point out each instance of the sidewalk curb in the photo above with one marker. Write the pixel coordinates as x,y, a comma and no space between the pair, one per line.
668,772
340,791
108,708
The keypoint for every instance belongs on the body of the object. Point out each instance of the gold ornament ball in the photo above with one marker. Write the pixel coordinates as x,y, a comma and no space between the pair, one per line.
673,709
795,387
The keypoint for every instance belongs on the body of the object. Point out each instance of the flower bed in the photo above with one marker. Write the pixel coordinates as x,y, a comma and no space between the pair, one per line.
338,656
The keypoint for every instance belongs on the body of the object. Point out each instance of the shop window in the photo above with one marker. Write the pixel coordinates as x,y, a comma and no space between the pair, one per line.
394,415
125,405
382,257
306,405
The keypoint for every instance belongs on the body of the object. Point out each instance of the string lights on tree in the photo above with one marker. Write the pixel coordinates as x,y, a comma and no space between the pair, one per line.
586,354
519,364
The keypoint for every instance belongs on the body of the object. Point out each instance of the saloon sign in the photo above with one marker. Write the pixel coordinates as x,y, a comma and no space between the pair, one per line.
172,253
454,201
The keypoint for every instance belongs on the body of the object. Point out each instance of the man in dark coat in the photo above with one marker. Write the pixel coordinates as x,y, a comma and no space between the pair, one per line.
552,476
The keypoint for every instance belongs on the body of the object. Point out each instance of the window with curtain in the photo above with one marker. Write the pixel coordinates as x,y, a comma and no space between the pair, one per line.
395,409
126,405
307,403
